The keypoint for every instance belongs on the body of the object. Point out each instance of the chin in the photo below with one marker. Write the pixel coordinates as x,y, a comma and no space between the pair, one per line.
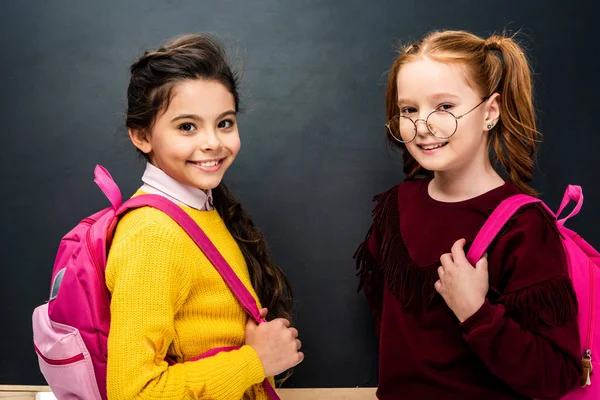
434,166
209,186
204,184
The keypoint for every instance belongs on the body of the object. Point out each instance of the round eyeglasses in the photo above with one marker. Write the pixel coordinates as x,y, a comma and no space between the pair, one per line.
440,123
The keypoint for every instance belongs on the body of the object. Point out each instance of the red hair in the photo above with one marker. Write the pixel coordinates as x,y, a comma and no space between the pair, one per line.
494,65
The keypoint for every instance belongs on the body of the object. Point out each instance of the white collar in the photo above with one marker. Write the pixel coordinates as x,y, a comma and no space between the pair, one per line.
156,181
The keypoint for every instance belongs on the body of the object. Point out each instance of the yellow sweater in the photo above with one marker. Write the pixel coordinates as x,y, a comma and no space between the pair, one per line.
168,299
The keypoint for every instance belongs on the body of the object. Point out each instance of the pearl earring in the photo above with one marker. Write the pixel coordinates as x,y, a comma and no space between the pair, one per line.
490,126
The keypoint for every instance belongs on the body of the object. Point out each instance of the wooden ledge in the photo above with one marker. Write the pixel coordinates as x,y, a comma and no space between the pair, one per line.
19,392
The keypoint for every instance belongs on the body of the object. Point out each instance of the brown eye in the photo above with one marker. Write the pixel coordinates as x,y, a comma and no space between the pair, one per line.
187,127
226,124
444,107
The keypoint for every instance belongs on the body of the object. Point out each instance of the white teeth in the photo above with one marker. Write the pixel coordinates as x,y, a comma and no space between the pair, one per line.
209,164
435,146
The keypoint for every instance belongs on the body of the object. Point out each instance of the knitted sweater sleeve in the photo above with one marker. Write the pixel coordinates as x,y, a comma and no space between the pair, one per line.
148,286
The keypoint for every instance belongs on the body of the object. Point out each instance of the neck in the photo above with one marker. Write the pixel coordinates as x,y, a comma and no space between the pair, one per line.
466,183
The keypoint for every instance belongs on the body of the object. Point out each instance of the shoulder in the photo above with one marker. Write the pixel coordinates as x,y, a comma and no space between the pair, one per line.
386,204
136,220
532,221
399,193
147,237
534,276
530,249
147,243
144,221
409,189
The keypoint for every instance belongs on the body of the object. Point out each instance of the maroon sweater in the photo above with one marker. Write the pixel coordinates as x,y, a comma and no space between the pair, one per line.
522,343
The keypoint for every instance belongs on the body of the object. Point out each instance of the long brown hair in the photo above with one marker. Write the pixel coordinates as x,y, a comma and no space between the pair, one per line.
495,65
153,77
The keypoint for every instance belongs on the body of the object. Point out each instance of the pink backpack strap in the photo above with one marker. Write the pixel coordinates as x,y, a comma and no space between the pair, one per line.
203,242
210,251
108,186
499,217
573,193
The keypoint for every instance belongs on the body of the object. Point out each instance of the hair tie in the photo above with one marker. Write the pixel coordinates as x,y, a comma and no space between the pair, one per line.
494,47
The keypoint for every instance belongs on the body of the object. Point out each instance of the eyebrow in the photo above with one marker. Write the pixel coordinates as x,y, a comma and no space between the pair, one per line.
197,118
436,96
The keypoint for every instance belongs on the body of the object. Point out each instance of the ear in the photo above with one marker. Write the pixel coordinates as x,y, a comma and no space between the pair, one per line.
492,113
140,140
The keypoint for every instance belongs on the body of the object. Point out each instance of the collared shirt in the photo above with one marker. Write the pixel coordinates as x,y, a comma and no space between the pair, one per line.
156,181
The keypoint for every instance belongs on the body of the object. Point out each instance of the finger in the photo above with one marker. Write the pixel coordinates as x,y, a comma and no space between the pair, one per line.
294,332
264,312
297,359
300,358
251,324
440,272
482,265
458,251
283,322
446,259
438,286
298,344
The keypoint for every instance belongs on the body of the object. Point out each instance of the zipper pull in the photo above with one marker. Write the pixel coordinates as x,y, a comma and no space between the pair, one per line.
586,362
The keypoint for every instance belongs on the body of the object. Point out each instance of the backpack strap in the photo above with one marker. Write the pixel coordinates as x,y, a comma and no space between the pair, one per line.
499,217
509,207
575,194
211,252
199,237
108,186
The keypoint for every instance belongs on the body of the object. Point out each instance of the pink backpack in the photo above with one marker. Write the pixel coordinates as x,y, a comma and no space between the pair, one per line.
584,264
70,331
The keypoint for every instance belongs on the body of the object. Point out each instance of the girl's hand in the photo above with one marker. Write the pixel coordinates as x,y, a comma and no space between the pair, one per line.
276,344
463,287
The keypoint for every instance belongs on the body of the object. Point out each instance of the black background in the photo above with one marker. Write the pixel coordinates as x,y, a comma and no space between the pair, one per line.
313,150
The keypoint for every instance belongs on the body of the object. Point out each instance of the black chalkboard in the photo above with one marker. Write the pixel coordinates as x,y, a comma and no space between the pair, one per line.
313,151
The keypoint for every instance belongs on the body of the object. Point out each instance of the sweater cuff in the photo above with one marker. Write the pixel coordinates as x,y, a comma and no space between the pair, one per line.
214,374
483,316
256,371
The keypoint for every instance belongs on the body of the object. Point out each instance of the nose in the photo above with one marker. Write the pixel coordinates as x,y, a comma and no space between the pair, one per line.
209,140
422,129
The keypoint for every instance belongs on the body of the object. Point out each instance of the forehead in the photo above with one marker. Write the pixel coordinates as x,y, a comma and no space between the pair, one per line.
425,77
200,97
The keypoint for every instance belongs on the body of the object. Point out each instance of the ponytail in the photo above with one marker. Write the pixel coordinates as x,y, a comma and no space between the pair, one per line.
153,76
515,136
496,65
271,285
